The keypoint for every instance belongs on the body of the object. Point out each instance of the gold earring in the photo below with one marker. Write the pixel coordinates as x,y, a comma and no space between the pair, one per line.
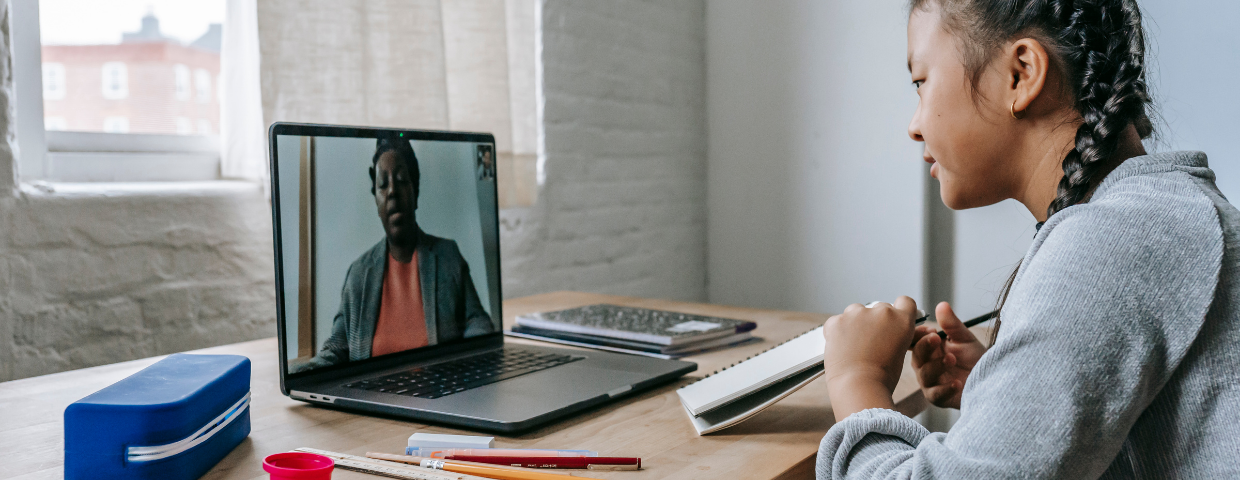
1013,110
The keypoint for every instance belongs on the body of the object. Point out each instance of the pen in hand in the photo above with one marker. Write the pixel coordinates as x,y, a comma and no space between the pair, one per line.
922,317
967,324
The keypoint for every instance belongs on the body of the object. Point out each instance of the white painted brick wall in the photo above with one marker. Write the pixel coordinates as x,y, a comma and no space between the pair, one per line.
101,277
8,161
623,207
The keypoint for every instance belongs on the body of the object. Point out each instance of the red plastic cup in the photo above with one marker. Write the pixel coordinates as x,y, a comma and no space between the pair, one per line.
298,466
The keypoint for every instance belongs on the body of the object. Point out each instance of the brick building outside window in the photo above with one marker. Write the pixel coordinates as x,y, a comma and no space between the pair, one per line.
148,83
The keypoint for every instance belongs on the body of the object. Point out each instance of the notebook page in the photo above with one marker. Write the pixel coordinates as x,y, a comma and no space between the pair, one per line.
761,371
750,405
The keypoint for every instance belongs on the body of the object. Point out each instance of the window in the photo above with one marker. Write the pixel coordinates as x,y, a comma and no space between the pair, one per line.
116,125
202,80
181,73
53,81
117,85
115,81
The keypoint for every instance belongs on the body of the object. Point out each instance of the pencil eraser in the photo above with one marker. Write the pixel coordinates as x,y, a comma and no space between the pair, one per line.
438,440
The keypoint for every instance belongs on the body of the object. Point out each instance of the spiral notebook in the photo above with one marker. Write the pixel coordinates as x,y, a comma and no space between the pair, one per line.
636,324
732,395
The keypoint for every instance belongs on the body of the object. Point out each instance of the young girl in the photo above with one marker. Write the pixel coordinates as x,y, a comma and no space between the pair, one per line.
1117,353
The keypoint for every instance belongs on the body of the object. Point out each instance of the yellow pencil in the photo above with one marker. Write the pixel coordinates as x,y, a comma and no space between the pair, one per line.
489,471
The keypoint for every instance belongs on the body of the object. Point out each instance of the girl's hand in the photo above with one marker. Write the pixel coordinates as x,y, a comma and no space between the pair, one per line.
943,366
865,353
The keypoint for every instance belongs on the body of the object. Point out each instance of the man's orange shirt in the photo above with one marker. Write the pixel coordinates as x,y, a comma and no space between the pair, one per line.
402,321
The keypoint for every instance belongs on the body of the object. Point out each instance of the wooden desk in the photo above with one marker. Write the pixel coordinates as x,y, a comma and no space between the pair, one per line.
781,442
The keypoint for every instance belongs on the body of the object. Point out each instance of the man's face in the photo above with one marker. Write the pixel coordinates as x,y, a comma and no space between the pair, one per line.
396,197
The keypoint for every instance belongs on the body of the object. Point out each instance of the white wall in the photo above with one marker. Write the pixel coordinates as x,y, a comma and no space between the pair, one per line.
989,242
1193,67
623,207
1196,62
815,189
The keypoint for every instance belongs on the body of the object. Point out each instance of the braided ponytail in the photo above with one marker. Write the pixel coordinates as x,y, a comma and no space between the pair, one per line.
1099,48
1108,58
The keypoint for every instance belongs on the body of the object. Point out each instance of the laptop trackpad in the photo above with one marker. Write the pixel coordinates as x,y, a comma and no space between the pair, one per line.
548,390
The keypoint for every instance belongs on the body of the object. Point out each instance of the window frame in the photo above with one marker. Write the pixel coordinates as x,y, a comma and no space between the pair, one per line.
72,156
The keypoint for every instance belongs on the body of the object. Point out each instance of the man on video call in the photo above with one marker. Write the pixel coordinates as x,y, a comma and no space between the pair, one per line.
411,289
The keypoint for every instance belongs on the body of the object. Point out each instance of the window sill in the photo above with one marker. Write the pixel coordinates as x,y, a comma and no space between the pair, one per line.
132,167
210,188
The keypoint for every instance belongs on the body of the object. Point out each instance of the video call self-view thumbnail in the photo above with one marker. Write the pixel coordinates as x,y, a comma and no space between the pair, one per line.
387,245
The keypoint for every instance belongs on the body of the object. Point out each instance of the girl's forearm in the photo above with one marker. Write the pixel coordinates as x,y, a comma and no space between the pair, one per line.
852,393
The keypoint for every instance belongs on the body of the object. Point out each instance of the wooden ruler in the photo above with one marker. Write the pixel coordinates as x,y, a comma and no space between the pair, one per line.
387,469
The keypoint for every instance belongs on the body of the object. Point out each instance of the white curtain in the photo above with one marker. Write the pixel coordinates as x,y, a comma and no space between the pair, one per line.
243,138
431,64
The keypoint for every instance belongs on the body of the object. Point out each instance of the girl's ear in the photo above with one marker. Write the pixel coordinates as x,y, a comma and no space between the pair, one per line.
1028,66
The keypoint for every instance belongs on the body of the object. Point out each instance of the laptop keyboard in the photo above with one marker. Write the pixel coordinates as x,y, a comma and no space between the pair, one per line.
442,379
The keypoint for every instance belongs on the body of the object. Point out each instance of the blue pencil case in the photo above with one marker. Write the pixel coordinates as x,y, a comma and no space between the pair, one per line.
173,420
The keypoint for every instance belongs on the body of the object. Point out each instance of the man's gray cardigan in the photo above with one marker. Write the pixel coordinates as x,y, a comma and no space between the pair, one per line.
449,300
1119,354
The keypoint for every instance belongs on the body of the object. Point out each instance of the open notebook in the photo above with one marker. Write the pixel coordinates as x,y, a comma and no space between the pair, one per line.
732,395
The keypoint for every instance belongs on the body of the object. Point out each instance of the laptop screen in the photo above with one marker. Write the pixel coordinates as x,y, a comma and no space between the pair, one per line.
388,241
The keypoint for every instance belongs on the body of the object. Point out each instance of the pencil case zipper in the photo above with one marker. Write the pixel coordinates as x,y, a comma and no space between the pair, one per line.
216,425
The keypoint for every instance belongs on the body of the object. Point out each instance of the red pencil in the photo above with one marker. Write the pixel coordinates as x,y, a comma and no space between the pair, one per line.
591,463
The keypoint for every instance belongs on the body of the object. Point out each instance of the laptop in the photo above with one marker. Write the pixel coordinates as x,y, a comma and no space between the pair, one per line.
387,263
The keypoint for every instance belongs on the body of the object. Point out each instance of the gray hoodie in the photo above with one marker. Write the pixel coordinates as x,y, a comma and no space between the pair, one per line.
1119,354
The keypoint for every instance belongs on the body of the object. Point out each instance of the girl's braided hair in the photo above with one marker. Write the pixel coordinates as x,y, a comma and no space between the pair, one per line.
1098,46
